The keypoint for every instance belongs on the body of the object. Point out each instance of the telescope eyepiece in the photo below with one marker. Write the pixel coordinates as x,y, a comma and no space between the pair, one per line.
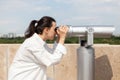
56,29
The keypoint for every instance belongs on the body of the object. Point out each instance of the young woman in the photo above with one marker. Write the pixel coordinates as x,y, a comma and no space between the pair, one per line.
34,56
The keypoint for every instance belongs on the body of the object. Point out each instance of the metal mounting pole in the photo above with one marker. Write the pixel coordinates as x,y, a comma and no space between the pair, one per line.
90,36
86,59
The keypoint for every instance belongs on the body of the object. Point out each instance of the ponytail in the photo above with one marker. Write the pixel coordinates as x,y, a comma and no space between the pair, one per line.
31,29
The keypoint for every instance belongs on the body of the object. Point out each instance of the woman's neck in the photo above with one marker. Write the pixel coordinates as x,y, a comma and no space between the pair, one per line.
42,37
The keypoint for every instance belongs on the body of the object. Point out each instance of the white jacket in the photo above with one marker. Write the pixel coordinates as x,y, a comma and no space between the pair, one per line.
32,59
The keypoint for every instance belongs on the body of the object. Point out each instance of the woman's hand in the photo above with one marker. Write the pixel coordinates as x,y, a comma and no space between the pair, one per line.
61,33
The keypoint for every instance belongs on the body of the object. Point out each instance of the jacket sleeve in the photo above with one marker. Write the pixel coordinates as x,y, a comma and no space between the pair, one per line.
46,56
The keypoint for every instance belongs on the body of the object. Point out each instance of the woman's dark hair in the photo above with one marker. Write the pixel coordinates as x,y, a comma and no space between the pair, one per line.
38,26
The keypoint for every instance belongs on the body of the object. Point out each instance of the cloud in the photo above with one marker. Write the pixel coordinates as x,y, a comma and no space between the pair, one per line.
87,2
12,5
11,25
41,8
7,21
22,5
82,20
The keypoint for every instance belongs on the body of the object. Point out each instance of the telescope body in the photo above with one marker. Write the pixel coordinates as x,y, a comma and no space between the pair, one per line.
98,31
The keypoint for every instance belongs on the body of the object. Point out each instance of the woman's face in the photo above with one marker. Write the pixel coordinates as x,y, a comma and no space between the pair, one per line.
51,32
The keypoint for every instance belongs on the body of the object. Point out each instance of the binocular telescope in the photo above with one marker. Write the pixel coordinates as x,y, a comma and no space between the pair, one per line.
98,31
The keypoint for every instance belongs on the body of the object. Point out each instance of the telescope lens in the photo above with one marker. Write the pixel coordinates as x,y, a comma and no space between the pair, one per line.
56,29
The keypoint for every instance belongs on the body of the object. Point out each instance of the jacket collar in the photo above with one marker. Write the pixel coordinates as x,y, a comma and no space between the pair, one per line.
38,38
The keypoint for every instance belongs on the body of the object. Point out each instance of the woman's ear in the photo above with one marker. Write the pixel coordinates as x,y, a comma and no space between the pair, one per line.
46,30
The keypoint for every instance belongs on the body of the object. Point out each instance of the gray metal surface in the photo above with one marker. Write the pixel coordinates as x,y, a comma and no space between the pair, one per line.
85,63
98,31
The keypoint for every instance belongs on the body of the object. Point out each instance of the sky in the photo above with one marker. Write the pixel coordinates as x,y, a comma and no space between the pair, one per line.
15,15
